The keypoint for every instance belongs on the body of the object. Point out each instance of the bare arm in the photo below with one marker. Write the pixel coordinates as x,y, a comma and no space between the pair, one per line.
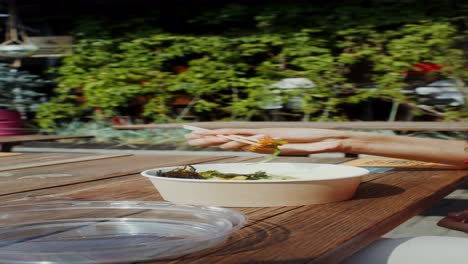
309,141
424,149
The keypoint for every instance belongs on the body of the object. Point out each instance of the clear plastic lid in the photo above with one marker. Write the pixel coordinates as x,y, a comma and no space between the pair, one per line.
110,231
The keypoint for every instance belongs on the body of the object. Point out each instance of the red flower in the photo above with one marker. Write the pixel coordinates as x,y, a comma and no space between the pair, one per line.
116,121
424,67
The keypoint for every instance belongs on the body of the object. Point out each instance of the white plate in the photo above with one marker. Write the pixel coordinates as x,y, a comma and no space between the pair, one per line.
315,184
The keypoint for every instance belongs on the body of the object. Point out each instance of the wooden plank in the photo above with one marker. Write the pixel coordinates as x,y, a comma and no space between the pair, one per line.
58,161
354,125
38,157
308,234
126,187
269,226
21,180
29,138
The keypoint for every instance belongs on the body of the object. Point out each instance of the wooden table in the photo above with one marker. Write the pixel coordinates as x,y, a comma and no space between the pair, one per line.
325,233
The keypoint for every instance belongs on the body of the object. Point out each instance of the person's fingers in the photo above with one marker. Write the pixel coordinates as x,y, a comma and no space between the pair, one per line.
207,141
456,221
288,149
309,148
458,216
450,223
300,149
192,136
466,214
258,150
234,145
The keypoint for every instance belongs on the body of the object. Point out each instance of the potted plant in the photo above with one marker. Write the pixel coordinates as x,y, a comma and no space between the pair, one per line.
18,97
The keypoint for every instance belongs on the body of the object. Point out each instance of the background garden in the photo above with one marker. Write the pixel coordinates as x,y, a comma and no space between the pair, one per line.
206,61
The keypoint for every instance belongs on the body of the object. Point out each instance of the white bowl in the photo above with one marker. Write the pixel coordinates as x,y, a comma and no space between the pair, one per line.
316,184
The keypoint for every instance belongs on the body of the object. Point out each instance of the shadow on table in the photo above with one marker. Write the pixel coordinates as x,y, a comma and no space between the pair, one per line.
458,203
370,190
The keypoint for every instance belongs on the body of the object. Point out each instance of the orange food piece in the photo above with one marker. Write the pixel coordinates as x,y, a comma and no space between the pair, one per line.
268,143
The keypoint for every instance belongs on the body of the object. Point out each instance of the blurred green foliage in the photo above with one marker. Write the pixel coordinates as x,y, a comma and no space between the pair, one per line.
19,89
103,133
225,58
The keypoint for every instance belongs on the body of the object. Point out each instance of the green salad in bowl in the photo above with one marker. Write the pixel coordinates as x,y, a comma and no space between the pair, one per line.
189,172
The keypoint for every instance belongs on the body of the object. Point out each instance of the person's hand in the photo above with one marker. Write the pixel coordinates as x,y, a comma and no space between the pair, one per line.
300,140
456,221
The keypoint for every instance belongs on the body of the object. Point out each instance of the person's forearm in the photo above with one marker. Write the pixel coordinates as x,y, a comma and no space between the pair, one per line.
423,149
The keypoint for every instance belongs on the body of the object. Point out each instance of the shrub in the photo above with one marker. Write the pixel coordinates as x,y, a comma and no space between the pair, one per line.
226,58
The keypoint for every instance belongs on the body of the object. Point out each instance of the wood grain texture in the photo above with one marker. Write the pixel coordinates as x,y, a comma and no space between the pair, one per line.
353,125
37,157
326,233
20,180
134,187
61,160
